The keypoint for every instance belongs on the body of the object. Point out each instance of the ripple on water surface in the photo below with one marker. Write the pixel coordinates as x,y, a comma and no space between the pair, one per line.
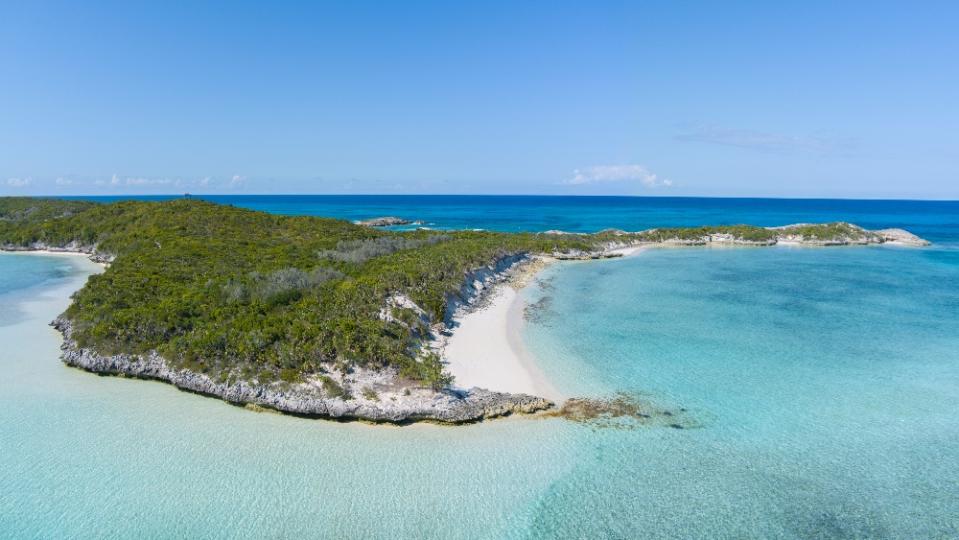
823,383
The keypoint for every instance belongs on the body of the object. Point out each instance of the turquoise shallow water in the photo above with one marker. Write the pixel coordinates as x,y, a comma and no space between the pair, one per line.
83,456
22,276
825,382
821,388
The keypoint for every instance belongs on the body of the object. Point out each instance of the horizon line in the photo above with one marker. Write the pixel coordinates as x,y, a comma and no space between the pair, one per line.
553,195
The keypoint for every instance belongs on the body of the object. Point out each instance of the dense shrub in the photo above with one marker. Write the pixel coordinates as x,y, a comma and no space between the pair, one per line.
360,251
233,292
279,286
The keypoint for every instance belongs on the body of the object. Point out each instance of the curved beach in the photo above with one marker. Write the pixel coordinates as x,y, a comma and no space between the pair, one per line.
56,298
486,349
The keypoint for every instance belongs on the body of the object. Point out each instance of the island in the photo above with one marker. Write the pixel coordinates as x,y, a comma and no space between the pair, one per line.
312,316
387,221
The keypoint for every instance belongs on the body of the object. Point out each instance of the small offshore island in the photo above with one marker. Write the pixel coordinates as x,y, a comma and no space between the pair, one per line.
312,316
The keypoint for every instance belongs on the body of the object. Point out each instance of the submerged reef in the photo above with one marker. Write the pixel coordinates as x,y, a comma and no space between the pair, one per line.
621,411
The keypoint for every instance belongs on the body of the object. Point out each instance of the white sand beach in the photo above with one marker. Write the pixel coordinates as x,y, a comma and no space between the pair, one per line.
55,253
45,252
486,349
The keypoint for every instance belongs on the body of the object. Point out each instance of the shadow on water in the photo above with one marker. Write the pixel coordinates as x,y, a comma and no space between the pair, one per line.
829,517
539,312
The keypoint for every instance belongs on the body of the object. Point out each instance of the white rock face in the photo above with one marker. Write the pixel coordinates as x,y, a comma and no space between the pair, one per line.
401,301
395,400
901,236
386,221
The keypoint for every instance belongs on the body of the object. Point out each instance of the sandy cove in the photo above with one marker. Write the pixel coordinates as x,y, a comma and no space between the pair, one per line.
483,343
486,349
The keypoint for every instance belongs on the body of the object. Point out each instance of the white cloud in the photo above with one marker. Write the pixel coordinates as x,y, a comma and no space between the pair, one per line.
61,181
130,181
133,183
617,173
19,182
117,180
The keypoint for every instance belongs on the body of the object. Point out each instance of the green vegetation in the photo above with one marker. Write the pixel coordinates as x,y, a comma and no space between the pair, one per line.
332,388
360,251
239,294
370,394
21,209
745,232
828,231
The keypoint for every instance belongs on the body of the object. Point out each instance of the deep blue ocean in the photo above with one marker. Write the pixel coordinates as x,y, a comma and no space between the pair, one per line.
937,220
818,390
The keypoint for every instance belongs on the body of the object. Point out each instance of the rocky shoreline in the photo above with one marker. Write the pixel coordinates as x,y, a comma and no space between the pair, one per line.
379,396
393,403
387,221
73,247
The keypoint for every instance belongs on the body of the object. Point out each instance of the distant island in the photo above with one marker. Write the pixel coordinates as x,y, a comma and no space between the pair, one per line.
306,315
387,221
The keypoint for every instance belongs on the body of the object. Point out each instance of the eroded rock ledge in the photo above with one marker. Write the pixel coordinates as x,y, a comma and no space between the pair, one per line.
394,402
387,221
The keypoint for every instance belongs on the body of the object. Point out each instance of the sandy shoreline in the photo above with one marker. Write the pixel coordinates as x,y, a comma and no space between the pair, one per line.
49,301
55,253
486,348
45,252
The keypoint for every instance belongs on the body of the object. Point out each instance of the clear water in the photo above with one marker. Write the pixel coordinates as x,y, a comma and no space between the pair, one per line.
821,388
21,276
83,456
824,382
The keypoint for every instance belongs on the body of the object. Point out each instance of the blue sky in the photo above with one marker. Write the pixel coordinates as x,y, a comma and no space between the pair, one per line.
642,98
